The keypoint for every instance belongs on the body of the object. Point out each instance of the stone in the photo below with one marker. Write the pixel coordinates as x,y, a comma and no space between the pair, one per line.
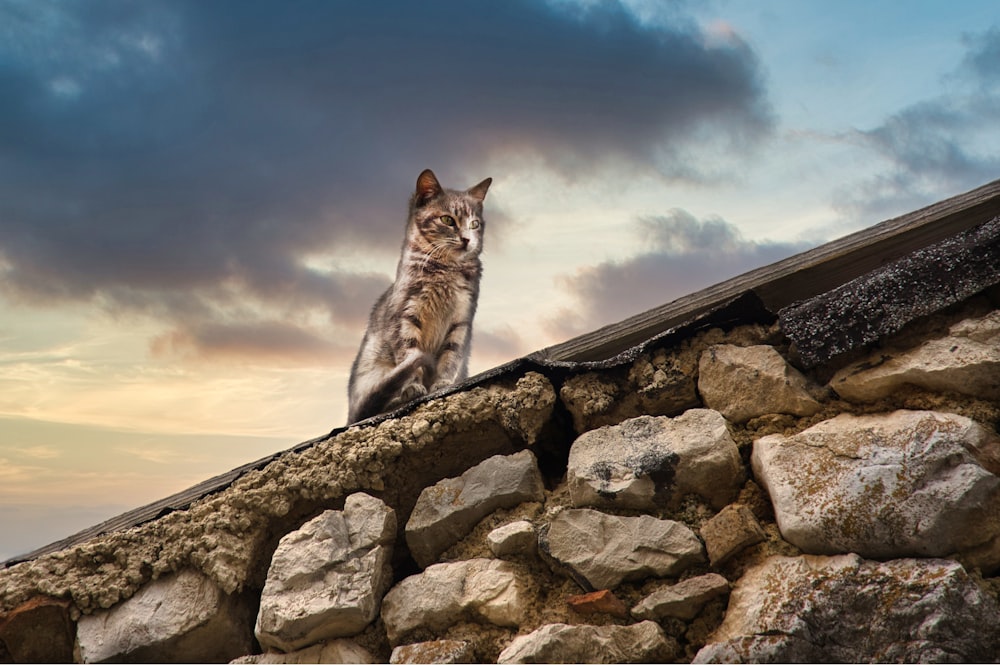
436,651
514,539
683,600
743,382
335,651
327,579
659,383
845,609
649,461
884,486
38,631
730,532
605,550
966,360
447,511
181,618
561,643
598,602
483,590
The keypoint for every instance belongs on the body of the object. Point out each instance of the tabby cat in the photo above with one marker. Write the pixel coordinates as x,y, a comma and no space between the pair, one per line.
420,330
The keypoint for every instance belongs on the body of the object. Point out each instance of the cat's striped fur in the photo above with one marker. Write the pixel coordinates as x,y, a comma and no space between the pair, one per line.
420,330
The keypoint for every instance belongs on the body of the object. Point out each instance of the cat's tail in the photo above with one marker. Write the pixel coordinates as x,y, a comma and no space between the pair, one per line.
378,398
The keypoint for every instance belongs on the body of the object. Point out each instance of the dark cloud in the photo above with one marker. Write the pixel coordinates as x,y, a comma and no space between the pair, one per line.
936,147
157,152
684,255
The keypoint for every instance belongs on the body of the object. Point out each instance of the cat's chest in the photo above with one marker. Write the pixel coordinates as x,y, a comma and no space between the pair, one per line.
438,304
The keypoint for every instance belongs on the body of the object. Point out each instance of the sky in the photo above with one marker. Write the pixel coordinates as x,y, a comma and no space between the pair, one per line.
201,201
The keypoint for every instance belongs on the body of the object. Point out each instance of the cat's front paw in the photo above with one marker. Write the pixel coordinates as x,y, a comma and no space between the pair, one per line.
411,392
441,385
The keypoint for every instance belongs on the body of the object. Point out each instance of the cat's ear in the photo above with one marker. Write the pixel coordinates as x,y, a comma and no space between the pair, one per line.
427,187
479,191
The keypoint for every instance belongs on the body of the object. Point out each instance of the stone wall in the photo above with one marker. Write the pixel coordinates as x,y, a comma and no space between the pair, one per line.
706,501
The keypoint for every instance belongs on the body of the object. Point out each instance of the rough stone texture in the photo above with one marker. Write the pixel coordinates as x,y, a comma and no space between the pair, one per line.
222,533
437,651
743,382
514,539
598,602
334,651
659,383
39,631
966,360
730,532
446,512
845,609
683,600
327,578
648,461
560,643
606,550
889,485
181,618
484,590
881,302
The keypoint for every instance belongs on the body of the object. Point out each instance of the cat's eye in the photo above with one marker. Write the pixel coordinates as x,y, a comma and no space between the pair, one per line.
448,220
474,224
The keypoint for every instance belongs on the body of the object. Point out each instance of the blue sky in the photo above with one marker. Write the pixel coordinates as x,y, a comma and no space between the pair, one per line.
200,201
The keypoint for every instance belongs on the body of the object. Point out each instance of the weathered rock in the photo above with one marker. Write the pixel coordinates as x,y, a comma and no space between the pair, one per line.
447,511
327,578
38,631
683,600
844,609
437,651
181,618
658,383
561,643
598,602
883,486
743,382
966,360
484,590
335,651
647,461
606,550
514,539
730,532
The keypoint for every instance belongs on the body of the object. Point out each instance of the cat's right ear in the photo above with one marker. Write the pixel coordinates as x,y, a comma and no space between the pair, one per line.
428,187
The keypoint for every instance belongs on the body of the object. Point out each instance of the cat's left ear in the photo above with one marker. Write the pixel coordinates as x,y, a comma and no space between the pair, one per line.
427,187
479,191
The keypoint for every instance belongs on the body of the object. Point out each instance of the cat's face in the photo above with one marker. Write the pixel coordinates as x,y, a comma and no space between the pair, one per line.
447,225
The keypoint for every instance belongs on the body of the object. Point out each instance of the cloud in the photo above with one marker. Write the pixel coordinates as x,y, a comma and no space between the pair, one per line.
683,255
175,158
937,147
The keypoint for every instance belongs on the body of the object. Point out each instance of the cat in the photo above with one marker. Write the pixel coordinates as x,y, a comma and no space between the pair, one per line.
420,330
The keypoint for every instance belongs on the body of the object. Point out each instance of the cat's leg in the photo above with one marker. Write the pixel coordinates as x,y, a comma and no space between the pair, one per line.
410,345
453,359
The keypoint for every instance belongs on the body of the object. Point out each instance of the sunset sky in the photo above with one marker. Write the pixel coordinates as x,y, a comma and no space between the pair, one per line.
200,201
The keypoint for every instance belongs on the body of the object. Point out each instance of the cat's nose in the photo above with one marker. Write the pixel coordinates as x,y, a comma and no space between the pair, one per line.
465,243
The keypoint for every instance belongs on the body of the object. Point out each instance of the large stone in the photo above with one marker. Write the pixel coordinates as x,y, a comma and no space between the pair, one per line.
606,550
908,483
561,643
335,651
446,512
436,651
38,631
743,382
648,460
966,360
484,590
327,579
683,600
181,618
844,609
